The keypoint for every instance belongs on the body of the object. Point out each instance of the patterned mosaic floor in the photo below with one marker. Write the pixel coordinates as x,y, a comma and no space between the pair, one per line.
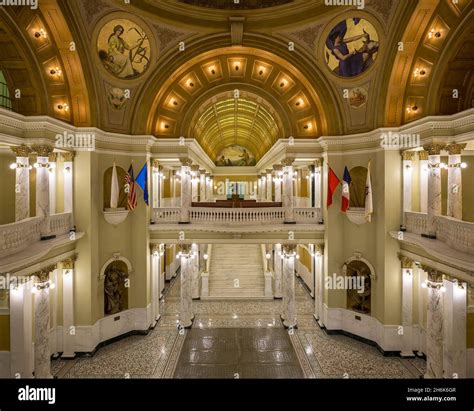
166,353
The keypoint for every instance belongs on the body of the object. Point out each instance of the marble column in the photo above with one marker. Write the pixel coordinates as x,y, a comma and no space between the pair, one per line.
455,181
319,285
53,159
68,170
157,252
42,353
195,272
278,271
21,331
22,182
434,188
42,188
318,183
423,181
195,183
407,165
407,306
202,186
289,257
455,338
269,195
435,326
155,183
69,331
185,189
277,178
208,196
186,315
288,190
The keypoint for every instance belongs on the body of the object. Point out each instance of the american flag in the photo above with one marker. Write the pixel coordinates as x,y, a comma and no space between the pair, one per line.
130,189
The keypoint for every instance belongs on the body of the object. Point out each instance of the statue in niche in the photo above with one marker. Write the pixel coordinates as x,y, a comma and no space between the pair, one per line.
115,290
358,298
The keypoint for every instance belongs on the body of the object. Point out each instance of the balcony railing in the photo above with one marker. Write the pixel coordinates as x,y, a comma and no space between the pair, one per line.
456,234
236,216
16,237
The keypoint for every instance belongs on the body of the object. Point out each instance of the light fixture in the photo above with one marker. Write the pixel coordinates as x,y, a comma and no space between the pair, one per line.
63,106
424,285
205,256
283,83
261,71
463,165
308,126
434,33
34,289
267,255
40,33
67,170
55,71
52,286
212,70
413,108
443,289
164,125
189,82
237,66
13,166
443,165
299,102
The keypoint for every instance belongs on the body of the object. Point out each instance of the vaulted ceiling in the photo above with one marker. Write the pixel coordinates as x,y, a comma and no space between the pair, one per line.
285,88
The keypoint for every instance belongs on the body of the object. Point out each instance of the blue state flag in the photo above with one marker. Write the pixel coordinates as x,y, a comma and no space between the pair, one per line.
142,181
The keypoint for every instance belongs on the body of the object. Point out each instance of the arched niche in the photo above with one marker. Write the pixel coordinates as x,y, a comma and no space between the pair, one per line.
107,180
357,187
114,277
359,293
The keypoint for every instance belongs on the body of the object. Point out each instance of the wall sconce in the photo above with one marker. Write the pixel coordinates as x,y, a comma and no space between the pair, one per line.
463,165
40,33
63,106
43,165
267,255
67,170
14,166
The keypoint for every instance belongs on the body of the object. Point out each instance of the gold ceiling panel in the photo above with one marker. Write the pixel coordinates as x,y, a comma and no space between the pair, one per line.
236,121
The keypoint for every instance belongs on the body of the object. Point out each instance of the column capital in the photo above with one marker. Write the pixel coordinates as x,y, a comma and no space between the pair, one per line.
185,249
423,155
406,262
269,171
208,175
434,276
155,163
408,155
195,168
289,250
320,248
434,149
68,156
41,277
186,162
455,149
318,162
277,167
288,161
68,263
43,150
21,151
53,158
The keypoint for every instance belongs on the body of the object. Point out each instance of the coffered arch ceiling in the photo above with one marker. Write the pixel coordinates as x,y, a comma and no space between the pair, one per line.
437,32
247,121
38,61
270,88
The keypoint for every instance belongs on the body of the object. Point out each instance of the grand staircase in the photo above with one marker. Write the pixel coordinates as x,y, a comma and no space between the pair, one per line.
232,262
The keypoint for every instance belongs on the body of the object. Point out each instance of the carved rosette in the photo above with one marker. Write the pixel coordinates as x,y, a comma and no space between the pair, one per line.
21,151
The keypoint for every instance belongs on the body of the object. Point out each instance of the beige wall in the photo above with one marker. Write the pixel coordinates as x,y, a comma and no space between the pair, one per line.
7,189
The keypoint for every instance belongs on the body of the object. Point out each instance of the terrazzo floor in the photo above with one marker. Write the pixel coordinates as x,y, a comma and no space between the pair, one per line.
167,353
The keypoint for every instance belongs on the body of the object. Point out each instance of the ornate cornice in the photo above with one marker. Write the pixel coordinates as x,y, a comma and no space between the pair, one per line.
408,155
43,150
455,149
21,151
434,149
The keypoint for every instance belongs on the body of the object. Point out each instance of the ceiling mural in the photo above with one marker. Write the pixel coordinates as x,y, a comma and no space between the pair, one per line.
351,47
124,48
235,155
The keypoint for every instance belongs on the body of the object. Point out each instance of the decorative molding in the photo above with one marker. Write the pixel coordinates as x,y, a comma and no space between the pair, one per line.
288,161
43,150
358,257
434,149
186,162
237,30
41,277
406,262
116,257
68,263
307,36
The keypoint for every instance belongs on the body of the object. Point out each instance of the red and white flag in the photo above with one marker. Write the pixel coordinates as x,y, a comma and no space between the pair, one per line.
333,183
